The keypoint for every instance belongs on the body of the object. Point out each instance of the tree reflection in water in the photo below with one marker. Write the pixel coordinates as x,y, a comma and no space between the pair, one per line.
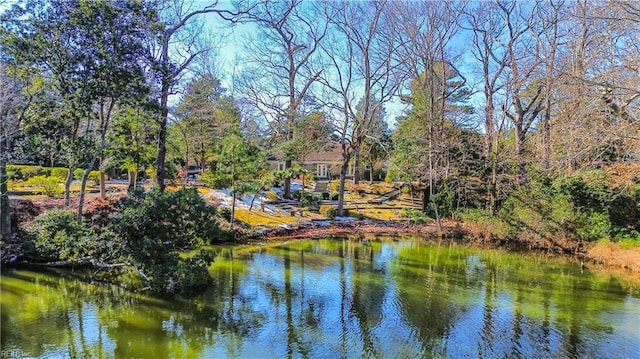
335,298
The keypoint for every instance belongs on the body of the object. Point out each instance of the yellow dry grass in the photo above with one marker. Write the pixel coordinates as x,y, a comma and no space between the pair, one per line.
381,214
258,218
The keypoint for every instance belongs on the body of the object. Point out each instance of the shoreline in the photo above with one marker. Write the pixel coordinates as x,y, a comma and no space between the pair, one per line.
607,256
610,256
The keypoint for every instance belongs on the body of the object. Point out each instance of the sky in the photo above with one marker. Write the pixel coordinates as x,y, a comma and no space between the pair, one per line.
231,48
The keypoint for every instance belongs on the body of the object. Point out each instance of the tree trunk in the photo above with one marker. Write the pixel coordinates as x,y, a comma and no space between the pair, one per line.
546,139
356,166
426,196
233,208
287,181
103,187
493,187
67,186
343,177
520,160
162,140
5,214
133,179
370,172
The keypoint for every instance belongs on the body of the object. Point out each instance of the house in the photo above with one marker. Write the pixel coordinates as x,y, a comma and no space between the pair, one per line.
324,163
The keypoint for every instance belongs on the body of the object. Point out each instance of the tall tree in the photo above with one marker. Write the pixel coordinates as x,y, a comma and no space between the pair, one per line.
486,26
176,48
363,65
131,141
437,88
91,53
523,68
16,95
206,116
282,70
376,145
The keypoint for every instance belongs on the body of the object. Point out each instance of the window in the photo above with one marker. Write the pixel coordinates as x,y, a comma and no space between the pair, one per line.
282,166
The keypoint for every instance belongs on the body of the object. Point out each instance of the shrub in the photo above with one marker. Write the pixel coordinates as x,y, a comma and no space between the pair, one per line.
49,186
307,198
415,215
94,176
156,227
225,212
14,172
78,173
150,173
328,211
179,220
482,225
23,173
59,172
334,186
58,235
596,226
272,196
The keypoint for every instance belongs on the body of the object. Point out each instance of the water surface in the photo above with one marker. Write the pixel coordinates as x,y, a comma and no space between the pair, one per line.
336,299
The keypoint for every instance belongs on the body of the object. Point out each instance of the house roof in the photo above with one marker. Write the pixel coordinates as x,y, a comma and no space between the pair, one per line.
330,153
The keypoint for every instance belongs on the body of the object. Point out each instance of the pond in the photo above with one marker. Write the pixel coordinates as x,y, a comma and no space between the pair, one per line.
353,298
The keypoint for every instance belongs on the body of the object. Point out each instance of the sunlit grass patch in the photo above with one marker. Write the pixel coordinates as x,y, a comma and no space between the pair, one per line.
381,214
258,218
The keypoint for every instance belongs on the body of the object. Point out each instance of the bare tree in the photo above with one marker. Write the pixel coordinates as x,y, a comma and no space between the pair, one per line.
486,27
280,68
597,119
523,92
364,74
549,41
436,83
176,49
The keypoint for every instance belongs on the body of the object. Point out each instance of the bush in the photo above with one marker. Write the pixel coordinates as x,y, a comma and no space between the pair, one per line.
155,228
415,216
60,172
334,186
78,173
329,211
571,207
49,186
23,173
307,199
58,235
225,212
94,176
151,173
272,196
179,220
485,226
